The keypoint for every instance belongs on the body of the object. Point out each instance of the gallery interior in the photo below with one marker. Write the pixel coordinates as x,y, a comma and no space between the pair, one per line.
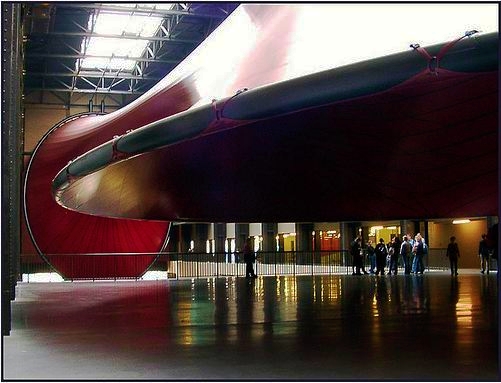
149,148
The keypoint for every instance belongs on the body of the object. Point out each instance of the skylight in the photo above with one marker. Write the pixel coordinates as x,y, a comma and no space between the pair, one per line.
131,24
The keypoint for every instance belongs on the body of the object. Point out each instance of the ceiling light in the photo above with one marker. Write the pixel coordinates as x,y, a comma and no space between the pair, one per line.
460,221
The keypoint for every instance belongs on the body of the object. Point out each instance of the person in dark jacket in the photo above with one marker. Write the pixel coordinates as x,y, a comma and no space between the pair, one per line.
381,253
371,255
453,255
484,254
356,253
405,252
394,253
492,242
249,259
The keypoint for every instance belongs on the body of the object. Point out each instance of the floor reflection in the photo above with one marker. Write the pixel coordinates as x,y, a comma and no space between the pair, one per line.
304,327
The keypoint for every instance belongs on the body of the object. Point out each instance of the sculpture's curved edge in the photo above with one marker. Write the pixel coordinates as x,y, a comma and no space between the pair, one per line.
106,261
161,251
26,177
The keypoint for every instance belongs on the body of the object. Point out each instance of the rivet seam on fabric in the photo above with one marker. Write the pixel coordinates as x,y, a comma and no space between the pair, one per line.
218,112
117,154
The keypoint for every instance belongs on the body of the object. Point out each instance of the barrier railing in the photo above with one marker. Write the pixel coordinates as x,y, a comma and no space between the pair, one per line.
203,265
195,265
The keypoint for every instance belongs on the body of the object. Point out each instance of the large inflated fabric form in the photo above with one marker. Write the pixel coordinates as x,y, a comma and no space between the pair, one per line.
411,135
382,139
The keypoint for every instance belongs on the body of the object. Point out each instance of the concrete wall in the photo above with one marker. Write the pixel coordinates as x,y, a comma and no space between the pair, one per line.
467,236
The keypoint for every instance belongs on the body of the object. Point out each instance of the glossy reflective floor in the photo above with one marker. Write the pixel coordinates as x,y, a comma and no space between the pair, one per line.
338,327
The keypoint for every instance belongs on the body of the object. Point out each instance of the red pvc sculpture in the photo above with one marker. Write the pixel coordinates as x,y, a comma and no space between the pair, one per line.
403,136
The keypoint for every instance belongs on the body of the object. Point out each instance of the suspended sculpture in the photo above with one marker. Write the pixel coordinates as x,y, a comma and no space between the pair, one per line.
407,135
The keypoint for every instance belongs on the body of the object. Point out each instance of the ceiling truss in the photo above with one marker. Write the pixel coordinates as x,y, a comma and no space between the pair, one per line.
55,32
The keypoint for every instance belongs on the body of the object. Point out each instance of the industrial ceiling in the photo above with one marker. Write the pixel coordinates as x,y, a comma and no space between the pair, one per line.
54,33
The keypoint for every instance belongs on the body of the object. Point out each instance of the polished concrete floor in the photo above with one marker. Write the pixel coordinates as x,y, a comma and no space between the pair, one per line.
338,327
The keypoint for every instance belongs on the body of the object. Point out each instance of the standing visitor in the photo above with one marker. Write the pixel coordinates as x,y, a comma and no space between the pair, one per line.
356,253
453,255
405,253
371,255
381,253
394,253
418,250
484,254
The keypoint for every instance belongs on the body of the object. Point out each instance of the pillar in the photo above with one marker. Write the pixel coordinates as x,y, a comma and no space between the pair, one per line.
405,227
184,237
426,232
270,231
199,235
491,221
304,236
219,236
349,232
241,235
12,133
173,244
417,228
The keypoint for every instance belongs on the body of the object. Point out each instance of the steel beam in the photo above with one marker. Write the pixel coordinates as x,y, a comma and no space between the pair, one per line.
123,37
124,76
81,56
155,46
94,90
148,11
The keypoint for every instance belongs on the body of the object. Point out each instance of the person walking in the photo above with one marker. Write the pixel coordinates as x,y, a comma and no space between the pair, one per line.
453,255
249,259
484,254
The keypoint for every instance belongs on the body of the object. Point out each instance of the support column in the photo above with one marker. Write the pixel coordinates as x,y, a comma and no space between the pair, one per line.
349,232
11,155
345,236
185,231
304,236
405,227
219,236
241,235
173,245
199,235
426,233
417,227
270,231
491,221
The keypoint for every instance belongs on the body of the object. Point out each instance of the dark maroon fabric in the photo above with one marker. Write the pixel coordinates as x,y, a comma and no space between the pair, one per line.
424,149
61,235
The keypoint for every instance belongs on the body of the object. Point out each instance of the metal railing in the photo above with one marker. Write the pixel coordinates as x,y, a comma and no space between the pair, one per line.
196,265
203,265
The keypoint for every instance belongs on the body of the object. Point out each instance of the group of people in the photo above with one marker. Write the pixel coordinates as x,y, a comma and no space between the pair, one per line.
410,250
